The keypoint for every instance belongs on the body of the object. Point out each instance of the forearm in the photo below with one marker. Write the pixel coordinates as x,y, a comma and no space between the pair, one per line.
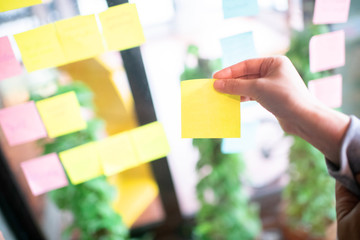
324,128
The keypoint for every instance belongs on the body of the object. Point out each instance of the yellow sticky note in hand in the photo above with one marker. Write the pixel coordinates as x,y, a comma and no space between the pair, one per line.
150,142
40,48
206,113
61,114
117,153
121,27
80,37
6,5
81,163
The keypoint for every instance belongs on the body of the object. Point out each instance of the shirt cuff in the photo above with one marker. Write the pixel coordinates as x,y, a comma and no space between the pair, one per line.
349,158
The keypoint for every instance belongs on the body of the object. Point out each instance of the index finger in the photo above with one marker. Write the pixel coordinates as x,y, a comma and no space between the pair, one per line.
247,68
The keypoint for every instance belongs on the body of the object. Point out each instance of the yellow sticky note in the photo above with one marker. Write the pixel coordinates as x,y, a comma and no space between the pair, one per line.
81,163
206,113
40,48
61,114
121,27
150,142
117,153
6,5
80,37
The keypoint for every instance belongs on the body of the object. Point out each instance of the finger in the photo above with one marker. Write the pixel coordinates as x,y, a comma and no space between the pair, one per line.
236,86
348,213
251,67
345,201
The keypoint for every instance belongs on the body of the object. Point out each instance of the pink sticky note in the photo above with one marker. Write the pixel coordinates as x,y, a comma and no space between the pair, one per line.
44,174
9,66
328,90
22,123
327,51
331,11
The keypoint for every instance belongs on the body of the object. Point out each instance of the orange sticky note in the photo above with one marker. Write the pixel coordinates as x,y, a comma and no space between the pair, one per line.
80,37
117,153
150,142
327,51
6,5
328,90
40,48
81,163
121,27
61,114
206,113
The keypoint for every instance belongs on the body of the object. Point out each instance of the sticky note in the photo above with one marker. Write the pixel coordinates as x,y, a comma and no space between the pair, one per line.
206,113
40,48
328,90
80,37
245,143
44,174
238,48
81,163
9,66
61,114
21,124
6,5
237,8
150,142
117,153
121,27
331,11
327,51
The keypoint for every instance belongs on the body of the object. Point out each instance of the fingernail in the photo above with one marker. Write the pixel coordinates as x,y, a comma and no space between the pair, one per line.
219,84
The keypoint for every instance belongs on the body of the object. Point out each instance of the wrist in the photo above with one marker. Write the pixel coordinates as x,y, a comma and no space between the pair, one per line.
324,128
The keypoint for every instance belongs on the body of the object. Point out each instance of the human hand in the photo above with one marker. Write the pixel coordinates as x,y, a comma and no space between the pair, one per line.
1,236
273,82
348,213
277,86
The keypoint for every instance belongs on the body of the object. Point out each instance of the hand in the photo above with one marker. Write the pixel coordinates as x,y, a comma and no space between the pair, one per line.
1,236
277,86
348,213
273,82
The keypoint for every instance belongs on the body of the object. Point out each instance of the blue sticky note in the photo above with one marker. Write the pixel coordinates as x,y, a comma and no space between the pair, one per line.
237,8
238,48
245,143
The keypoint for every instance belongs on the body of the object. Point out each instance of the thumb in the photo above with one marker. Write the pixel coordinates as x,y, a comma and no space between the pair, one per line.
237,86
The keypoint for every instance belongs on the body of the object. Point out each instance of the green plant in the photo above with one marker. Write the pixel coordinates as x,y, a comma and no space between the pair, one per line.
225,211
310,194
88,202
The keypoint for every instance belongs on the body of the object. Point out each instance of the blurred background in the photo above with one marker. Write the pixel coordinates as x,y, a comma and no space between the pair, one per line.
275,186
